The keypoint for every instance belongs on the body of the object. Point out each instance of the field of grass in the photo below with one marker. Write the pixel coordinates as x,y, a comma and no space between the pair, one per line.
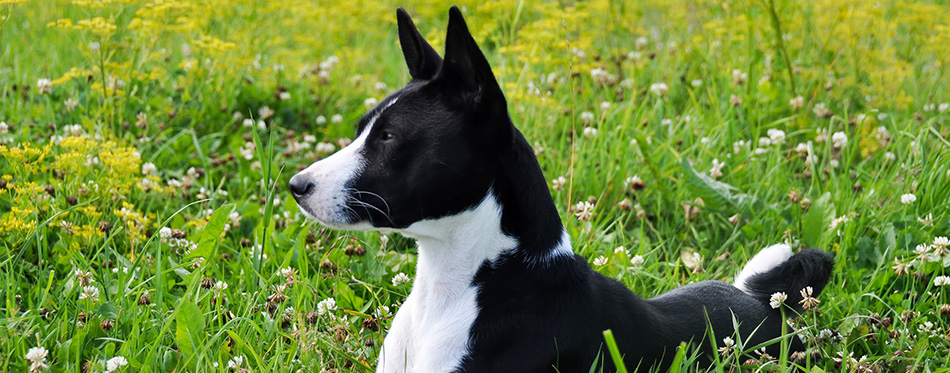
145,149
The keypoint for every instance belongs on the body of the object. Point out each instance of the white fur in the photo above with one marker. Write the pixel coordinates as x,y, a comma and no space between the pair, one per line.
327,204
767,259
562,249
430,332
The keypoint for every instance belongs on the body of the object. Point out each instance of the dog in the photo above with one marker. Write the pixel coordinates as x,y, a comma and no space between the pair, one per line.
498,287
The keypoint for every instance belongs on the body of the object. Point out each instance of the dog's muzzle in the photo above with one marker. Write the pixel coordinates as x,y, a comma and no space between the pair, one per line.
300,186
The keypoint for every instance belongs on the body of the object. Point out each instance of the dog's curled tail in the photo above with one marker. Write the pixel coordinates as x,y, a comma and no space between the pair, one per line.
775,269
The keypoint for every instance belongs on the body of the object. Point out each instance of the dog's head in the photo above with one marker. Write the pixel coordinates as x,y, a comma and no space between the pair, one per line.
426,151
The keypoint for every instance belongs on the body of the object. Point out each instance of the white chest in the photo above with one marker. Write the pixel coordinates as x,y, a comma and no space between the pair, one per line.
429,337
430,333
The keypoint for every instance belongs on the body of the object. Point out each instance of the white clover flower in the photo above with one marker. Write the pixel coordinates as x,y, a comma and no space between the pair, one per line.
600,261
90,292
659,89
801,148
116,363
400,279
696,83
821,110
236,362
941,243
727,345
942,281
716,171
261,125
926,220
765,142
149,168
337,119
248,123
641,42
908,198
839,140
321,119
777,136
693,261
622,250
738,146
604,106
584,211
797,103
838,221
44,86
37,358
71,104
808,301
943,107
36,354
558,184
590,132
666,122
74,129
369,103
165,233
599,75
890,157
220,286
636,260
777,299
735,100
739,77
4,128
324,147
284,96
265,112
587,117
325,306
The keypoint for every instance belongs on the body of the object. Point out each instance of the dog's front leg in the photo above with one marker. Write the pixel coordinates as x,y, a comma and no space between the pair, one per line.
393,358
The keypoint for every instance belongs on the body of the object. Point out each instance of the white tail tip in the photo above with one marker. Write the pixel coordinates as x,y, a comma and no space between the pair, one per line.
768,258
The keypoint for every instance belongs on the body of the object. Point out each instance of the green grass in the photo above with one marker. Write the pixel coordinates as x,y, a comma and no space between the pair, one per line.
872,64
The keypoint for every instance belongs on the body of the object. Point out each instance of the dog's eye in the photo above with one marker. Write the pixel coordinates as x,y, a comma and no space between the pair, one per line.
386,135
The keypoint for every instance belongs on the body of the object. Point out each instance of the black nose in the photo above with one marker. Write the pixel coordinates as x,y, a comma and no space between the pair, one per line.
300,186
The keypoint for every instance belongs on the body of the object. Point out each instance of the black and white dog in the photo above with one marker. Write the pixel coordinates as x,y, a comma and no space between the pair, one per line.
498,288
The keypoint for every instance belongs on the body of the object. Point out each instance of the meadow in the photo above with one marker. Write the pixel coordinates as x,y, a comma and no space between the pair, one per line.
146,146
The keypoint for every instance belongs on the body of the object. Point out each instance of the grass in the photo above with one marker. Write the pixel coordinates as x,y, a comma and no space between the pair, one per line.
857,89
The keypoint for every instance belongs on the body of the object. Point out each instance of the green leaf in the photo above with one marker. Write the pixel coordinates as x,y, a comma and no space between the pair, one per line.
817,220
346,297
716,195
887,242
212,232
867,254
108,310
169,361
189,328
614,351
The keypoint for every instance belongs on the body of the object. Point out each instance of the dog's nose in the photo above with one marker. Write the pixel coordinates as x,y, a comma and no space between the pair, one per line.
300,186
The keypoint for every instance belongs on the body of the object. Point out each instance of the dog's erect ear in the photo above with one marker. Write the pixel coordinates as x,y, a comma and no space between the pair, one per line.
465,67
423,61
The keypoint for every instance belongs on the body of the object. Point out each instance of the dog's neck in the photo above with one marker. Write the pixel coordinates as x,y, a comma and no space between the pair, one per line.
516,222
453,248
